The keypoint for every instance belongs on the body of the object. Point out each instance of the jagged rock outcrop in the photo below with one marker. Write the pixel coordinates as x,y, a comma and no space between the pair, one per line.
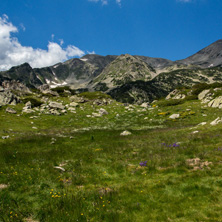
7,97
175,94
16,86
216,103
45,89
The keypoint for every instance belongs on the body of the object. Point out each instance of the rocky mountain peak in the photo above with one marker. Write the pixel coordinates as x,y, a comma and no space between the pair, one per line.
210,56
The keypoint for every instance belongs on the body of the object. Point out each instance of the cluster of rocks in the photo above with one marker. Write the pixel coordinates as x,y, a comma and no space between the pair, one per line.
15,86
102,102
78,99
208,96
8,98
51,107
28,108
45,89
197,164
101,112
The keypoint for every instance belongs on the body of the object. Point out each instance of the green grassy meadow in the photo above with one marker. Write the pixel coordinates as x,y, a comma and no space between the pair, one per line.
103,179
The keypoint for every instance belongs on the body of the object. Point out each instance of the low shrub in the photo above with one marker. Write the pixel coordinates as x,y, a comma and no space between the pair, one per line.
171,102
35,102
94,95
61,90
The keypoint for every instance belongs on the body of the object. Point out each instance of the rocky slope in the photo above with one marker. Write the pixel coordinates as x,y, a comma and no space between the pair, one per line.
125,77
210,56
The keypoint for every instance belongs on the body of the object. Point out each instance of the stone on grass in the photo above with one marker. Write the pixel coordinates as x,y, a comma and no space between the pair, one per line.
125,133
5,137
202,124
56,105
3,186
174,116
194,132
145,105
96,114
103,112
59,168
55,112
216,121
10,110
74,104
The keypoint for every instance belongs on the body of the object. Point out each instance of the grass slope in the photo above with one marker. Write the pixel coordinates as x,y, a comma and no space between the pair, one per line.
103,180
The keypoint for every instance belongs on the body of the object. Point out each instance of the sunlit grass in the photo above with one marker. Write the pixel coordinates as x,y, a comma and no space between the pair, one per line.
103,179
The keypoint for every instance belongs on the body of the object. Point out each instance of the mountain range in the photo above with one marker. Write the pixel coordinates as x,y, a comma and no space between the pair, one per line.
127,78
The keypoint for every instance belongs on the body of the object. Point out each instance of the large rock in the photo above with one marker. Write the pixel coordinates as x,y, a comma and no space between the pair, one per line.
7,97
45,89
56,105
216,103
175,94
203,94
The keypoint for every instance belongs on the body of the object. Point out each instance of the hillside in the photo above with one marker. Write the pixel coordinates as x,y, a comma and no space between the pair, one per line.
87,157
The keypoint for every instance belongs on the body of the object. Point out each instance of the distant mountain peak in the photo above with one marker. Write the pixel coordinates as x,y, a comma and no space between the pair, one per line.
209,56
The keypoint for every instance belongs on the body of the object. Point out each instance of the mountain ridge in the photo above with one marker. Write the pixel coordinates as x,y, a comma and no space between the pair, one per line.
112,73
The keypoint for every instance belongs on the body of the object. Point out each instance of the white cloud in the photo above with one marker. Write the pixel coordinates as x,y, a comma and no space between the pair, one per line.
105,2
13,53
184,1
93,52
118,2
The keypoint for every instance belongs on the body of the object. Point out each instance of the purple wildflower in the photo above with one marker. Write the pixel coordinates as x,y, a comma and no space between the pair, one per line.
143,163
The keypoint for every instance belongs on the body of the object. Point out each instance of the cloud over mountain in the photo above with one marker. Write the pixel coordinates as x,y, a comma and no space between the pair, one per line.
13,53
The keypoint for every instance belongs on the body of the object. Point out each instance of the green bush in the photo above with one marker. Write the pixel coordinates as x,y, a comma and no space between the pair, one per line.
94,95
60,90
198,88
171,102
35,102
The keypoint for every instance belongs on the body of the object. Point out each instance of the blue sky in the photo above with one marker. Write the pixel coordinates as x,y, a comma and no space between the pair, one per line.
172,29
